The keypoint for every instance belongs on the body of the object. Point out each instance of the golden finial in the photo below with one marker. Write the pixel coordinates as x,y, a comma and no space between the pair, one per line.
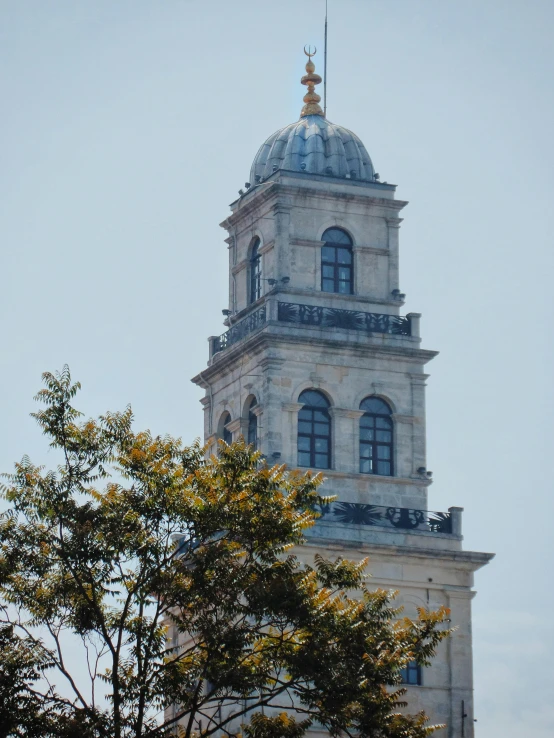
311,98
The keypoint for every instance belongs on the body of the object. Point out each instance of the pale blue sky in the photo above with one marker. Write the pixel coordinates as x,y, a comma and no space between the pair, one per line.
129,126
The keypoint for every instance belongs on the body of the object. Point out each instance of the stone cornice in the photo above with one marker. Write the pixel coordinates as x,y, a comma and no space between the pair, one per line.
341,412
375,478
358,248
261,340
239,267
405,418
295,191
234,425
253,200
469,560
247,207
336,296
292,407
267,247
306,242
361,249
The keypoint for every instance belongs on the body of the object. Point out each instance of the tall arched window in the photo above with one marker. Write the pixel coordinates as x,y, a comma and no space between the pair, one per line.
255,288
337,272
253,424
314,431
376,437
223,432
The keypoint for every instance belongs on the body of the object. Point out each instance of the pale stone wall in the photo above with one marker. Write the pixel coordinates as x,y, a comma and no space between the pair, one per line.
289,213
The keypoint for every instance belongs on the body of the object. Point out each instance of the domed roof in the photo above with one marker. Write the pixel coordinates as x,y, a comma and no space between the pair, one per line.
314,145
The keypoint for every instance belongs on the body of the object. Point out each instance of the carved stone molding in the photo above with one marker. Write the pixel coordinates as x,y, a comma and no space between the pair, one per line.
306,242
292,407
341,412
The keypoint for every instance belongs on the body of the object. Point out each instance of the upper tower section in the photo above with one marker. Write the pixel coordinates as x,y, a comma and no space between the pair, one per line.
317,227
313,144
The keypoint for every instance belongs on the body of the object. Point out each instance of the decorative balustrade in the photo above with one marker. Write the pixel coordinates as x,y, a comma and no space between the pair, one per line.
315,315
240,330
404,518
337,318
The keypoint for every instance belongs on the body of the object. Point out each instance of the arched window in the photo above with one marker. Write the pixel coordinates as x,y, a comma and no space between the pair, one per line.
255,272
337,273
253,424
223,432
376,437
314,431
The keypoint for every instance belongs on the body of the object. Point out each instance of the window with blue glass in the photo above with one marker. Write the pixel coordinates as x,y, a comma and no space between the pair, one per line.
224,432
411,673
337,272
314,431
252,424
376,441
255,289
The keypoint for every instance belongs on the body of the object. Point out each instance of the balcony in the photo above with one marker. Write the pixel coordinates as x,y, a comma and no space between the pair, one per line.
399,518
354,320
238,331
317,316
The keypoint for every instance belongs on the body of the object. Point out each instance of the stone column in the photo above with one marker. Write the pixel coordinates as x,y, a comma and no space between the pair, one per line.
456,518
418,428
415,324
403,447
258,411
290,432
211,442
393,226
345,437
461,663
281,214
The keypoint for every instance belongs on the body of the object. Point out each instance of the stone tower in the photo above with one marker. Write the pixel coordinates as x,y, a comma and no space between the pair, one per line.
319,370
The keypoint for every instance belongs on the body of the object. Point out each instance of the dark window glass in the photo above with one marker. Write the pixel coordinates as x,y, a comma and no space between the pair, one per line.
376,438
336,262
252,425
314,431
224,432
255,272
411,674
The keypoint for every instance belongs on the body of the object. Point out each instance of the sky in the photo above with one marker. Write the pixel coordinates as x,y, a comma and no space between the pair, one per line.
127,129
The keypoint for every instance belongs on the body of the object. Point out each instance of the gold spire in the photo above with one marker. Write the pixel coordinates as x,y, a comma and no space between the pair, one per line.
311,98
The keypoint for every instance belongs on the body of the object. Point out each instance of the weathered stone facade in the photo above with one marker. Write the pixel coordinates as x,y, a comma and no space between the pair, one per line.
294,337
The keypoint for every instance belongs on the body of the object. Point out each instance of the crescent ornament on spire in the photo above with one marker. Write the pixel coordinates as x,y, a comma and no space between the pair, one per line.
311,79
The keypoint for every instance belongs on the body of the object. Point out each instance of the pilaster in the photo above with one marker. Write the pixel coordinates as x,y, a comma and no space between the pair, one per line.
393,226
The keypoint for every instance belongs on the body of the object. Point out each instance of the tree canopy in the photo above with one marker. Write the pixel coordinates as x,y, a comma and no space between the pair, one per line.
174,576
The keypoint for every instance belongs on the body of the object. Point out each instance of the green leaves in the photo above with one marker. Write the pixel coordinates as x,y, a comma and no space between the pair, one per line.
177,575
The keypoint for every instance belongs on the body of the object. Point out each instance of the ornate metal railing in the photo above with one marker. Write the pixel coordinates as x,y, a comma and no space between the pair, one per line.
390,517
240,330
357,320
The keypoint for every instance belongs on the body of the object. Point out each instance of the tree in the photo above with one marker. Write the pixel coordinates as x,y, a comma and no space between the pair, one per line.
176,575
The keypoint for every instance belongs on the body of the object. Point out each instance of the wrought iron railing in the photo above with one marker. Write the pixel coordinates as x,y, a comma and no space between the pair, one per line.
390,517
240,330
357,320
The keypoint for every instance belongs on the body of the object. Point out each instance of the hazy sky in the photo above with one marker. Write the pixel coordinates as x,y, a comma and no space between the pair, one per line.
129,125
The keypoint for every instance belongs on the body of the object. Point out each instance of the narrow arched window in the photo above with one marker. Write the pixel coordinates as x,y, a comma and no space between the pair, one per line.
255,272
223,432
253,424
314,431
337,272
376,437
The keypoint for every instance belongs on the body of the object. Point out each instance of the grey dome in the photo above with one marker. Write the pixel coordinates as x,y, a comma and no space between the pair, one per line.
314,145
